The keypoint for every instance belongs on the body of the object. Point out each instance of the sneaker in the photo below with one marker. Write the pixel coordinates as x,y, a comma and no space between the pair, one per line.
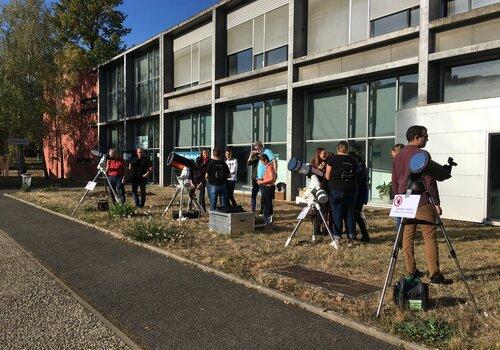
336,243
365,239
439,278
417,274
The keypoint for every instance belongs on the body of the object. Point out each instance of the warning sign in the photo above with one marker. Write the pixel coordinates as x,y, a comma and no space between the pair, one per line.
405,206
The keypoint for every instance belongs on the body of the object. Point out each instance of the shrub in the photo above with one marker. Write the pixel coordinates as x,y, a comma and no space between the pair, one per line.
51,188
429,331
152,230
121,210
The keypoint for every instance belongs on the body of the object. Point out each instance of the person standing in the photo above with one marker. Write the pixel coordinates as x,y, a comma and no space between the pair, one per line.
361,197
115,169
319,162
199,175
258,169
418,137
140,167
233,175
267,188
217,173
341,176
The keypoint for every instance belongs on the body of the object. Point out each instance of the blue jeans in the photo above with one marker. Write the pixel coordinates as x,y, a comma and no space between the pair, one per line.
214,191
116,183
267,193
342,206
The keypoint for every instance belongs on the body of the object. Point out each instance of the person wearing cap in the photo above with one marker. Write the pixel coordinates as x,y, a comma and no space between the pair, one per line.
258,169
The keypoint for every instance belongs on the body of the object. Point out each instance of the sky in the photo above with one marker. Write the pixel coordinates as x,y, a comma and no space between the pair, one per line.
147,18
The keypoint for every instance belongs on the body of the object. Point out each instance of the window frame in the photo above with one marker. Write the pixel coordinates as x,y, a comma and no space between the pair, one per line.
408,21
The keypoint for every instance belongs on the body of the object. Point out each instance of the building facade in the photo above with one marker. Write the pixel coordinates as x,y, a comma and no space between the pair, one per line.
299,74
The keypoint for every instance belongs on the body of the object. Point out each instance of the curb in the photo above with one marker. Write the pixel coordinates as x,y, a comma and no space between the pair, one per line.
328,314
122,336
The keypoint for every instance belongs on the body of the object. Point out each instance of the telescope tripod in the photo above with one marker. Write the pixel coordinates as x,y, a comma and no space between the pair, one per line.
419,187
180,190
314,203
100,171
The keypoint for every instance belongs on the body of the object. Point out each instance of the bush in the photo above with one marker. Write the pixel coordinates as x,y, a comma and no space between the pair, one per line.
121,210
429,331
51,188
152,230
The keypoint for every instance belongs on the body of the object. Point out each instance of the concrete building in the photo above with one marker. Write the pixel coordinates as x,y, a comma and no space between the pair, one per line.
298,74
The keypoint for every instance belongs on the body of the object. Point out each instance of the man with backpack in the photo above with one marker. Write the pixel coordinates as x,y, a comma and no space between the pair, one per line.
341,175
217,173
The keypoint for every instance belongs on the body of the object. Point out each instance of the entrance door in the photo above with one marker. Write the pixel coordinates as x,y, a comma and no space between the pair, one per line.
494,178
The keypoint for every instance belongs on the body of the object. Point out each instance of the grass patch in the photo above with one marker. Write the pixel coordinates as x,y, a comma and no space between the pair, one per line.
450,324
125,210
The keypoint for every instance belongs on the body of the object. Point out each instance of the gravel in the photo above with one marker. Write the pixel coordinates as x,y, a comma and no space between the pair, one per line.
36,312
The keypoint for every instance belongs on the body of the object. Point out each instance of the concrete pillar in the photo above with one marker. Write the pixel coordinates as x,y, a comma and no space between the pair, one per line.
128,78
161,124
219,70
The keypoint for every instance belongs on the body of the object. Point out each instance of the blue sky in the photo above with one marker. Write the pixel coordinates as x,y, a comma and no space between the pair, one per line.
147,18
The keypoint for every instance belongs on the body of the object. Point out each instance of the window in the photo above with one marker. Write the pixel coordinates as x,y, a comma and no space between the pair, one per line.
193,131
328,24
147,137
147,83
472,81
358,107
115,138
259,42
115,93
453,7
396,21
327,115
408,91
382,107
261,120
193,64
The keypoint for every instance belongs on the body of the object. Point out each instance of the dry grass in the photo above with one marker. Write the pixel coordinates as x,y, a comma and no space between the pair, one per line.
252,256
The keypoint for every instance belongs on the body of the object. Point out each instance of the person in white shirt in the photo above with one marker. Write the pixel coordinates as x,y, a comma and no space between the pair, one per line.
233,175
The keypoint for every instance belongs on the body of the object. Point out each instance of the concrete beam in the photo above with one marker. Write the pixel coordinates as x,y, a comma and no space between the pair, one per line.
423,53
164,68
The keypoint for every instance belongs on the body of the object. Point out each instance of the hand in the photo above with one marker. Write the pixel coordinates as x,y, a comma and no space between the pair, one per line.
123,180
259,182
439,210
145,175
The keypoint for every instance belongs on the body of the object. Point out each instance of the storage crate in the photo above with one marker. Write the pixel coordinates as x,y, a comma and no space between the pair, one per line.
230,223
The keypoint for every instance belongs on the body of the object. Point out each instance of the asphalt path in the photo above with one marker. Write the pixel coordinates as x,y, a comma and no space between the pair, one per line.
161,303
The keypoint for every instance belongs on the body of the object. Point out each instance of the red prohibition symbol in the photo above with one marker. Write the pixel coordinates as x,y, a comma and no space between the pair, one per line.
398,200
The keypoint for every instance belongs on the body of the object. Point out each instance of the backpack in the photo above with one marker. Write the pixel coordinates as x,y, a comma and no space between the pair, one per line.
344,170
411,294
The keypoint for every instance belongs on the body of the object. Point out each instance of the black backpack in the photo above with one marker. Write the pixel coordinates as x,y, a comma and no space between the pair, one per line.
411,294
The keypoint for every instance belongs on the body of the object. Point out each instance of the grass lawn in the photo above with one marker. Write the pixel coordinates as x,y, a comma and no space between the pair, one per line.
451,324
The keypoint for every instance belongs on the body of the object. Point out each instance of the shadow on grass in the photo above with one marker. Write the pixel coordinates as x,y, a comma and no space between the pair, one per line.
446,302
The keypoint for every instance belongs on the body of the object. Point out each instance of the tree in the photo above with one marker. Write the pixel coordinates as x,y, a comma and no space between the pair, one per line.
26,68
95,26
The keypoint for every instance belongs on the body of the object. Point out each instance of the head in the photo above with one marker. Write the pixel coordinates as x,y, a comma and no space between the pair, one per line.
258,146
319,156
342,147
204,153
112,153
229,153
396,149
417,135
264,159
139,152
217,153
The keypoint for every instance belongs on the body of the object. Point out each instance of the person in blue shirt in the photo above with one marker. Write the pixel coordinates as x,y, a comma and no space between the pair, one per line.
258,168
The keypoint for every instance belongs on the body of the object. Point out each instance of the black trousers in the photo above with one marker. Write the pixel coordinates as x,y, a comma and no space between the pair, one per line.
139,184
230,185
267,194
358,207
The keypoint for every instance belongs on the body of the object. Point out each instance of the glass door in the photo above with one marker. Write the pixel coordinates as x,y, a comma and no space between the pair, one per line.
494,178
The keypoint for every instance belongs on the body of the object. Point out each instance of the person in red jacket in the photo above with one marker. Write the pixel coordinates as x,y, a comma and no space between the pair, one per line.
115,169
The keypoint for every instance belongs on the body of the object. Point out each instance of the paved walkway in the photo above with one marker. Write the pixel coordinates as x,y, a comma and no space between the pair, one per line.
162,304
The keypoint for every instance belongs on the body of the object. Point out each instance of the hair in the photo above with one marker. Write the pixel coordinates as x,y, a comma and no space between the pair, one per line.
230,150
316,161
415,131
217,152
204,150
343,146
264,157
258,144
355,155
139,148
397,147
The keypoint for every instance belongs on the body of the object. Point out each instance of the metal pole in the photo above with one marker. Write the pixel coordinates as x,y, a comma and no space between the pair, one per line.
287,243
171,201
84,195
334,244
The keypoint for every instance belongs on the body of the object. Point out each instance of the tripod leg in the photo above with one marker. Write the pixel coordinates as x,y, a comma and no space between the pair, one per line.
454,256
84,195
318,208
171,201
287,243
392,264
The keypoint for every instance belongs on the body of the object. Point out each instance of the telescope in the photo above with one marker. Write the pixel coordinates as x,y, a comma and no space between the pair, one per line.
422,164
179,162
300,167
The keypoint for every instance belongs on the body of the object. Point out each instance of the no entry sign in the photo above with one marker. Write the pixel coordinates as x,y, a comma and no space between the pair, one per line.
405,206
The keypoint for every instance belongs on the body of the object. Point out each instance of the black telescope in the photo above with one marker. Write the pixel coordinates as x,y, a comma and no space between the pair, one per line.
422,164
300,167
179,162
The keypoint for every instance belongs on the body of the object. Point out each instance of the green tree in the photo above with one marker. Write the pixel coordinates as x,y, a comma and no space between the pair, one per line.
95,26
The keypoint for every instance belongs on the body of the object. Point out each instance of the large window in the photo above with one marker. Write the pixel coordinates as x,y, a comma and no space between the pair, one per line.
192,132
115,93
193,64
453,7
364,115
264,121
472,81
147,137
259,42
147,83
115,138
395,21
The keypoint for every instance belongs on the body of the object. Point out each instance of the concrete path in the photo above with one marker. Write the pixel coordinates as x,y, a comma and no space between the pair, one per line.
162,304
